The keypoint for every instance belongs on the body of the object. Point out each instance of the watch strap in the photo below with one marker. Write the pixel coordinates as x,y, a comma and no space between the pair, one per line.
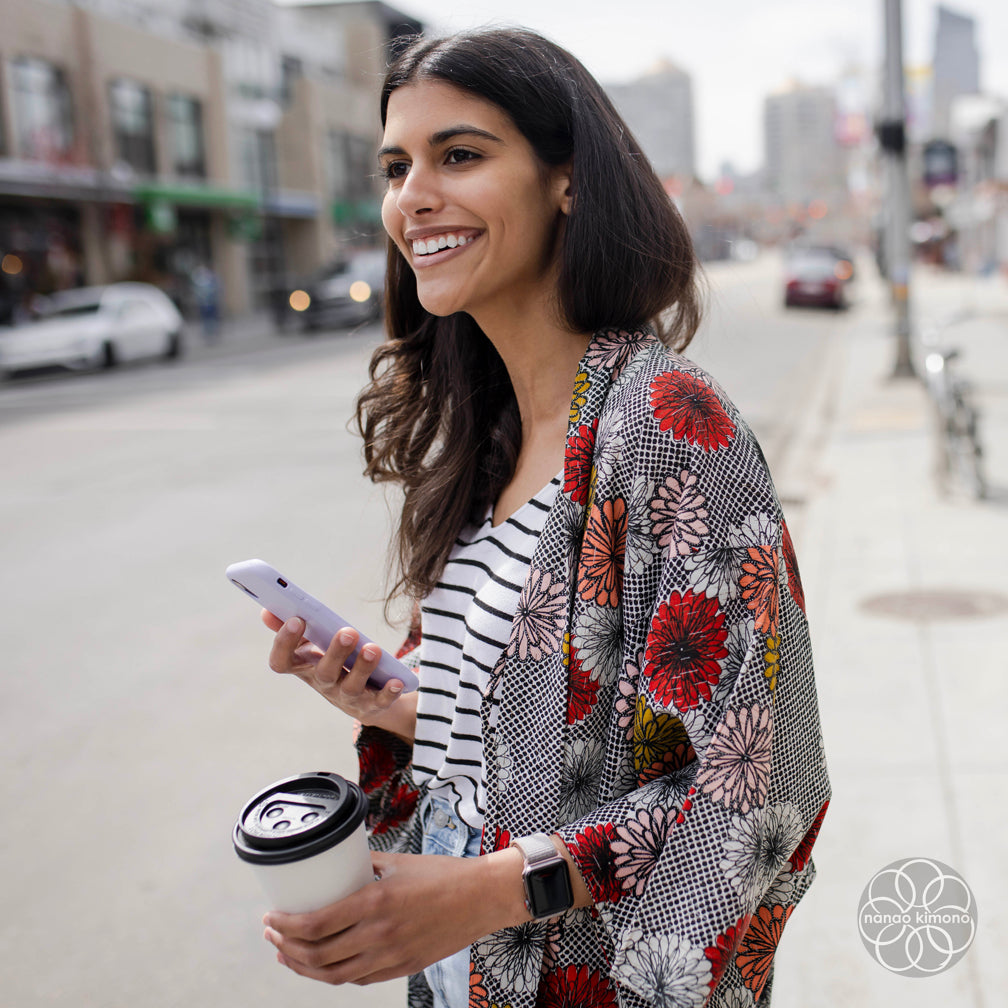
536,848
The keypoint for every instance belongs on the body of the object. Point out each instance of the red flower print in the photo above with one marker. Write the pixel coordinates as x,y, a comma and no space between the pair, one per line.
804,850
759,587
592,850
399,806
478,997
684,648
502,838
377,765
723,949
756,953
791,566
413,638
689,407
600,572
582,690
577,987
578,462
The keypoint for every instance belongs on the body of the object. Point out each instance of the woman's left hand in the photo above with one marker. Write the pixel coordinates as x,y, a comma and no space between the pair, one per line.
423,908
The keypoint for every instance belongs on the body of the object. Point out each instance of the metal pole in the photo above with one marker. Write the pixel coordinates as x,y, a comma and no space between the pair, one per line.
892,133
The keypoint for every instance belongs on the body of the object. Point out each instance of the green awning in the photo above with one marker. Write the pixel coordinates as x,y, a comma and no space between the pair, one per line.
212,197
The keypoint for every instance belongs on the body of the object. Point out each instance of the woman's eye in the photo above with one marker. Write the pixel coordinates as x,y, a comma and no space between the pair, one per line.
458,155
394,170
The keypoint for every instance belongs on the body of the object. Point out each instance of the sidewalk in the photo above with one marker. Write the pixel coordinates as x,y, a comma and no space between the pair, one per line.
912,688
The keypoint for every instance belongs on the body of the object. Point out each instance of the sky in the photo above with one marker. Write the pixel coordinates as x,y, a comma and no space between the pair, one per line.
736,51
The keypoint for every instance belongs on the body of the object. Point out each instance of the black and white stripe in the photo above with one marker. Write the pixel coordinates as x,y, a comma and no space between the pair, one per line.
466,624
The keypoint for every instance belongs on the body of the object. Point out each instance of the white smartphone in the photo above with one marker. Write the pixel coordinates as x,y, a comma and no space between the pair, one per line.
267,586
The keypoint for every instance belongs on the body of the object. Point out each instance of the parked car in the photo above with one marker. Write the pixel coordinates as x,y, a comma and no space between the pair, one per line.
346,293
92,327
817,277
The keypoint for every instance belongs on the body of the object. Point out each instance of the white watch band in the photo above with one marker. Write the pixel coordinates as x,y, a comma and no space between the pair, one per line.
535,848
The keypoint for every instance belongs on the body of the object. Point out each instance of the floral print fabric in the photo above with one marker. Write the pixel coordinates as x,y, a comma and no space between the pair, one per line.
657,707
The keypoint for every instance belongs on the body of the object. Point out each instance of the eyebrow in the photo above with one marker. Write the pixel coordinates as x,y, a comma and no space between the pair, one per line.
443,136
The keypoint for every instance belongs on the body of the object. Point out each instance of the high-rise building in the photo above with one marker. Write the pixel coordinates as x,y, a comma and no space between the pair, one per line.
956,66
658,108
803,157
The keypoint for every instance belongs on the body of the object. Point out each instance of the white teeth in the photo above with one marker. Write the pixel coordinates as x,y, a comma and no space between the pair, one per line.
423,246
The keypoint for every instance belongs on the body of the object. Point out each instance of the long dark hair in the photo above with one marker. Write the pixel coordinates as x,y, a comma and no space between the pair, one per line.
439,416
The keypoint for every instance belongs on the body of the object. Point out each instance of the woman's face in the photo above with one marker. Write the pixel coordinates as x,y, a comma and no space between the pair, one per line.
470,206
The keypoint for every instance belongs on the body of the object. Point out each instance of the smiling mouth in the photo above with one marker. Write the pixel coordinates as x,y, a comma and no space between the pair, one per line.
438,243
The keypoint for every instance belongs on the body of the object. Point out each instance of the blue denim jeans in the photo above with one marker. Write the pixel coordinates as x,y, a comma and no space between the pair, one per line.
445,833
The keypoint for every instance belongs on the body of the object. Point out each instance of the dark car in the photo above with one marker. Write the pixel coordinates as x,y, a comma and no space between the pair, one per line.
817,278
344,294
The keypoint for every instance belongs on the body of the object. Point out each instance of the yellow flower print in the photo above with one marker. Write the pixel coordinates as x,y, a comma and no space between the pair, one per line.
655,735
771,658
581,386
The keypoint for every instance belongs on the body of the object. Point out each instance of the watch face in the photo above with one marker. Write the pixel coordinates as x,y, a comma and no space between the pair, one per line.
549,889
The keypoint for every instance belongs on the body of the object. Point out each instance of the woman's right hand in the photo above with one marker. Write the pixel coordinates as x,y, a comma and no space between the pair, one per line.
348,690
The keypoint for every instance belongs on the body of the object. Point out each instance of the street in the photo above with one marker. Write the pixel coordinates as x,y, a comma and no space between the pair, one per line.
136,709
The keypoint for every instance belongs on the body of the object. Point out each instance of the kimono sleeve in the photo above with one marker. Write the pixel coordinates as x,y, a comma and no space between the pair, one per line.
700,855
386,776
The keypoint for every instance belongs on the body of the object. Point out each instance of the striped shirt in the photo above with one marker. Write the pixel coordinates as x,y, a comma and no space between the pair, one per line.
466,625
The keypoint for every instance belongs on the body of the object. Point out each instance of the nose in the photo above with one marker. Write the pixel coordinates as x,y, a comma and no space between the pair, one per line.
419,193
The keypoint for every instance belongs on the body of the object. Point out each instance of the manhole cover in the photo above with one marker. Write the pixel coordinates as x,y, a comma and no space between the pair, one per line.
936,604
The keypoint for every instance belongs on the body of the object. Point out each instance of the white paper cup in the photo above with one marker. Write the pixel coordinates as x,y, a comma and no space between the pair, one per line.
305,838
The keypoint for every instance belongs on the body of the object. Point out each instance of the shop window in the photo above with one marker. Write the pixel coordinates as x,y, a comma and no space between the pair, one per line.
185,133
43,113
350,166
132,109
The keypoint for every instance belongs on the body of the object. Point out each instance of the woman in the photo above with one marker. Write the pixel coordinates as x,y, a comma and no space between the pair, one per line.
617,706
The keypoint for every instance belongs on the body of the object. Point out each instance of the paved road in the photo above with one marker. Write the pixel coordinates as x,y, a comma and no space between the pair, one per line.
136,712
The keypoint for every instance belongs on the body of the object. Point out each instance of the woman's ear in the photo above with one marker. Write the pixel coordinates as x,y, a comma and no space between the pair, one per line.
563,188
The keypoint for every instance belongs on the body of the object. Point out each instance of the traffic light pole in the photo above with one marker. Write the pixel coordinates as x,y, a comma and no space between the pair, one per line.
892,137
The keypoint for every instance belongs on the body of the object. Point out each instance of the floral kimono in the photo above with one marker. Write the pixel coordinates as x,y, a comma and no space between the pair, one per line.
657,708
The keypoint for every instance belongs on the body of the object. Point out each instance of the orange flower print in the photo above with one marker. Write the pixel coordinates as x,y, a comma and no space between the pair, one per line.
600,574
478,997
759,586
756,953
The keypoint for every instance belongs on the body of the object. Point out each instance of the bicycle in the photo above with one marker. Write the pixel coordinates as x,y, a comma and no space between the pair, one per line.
960,450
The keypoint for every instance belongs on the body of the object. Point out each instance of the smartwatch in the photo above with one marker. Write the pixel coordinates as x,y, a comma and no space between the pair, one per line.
546,877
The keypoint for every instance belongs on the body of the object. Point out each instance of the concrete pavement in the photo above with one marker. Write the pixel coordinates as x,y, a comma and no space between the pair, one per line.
908,603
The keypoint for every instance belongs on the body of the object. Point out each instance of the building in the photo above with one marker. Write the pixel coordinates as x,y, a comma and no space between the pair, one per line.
658,108
141,138
804,158
956,66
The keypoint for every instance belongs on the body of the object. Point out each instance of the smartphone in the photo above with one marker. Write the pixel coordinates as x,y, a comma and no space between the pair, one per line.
285,599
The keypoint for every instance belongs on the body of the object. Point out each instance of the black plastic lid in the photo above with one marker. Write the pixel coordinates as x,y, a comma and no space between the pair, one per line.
298,817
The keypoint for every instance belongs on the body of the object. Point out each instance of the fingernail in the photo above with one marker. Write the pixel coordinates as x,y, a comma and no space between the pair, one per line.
395,687
294,624
346,637
370,652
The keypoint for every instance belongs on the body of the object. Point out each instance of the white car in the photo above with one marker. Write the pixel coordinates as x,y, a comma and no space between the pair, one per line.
91,327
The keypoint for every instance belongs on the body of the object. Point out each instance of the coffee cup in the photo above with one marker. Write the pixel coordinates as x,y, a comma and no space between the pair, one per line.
305,838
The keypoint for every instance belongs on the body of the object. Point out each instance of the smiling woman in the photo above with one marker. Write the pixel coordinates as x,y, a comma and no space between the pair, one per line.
616,690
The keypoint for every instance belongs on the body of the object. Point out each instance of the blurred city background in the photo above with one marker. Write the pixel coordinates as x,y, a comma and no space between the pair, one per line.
194,180
230,144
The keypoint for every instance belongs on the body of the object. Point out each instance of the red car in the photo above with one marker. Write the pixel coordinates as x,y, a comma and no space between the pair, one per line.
817,278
